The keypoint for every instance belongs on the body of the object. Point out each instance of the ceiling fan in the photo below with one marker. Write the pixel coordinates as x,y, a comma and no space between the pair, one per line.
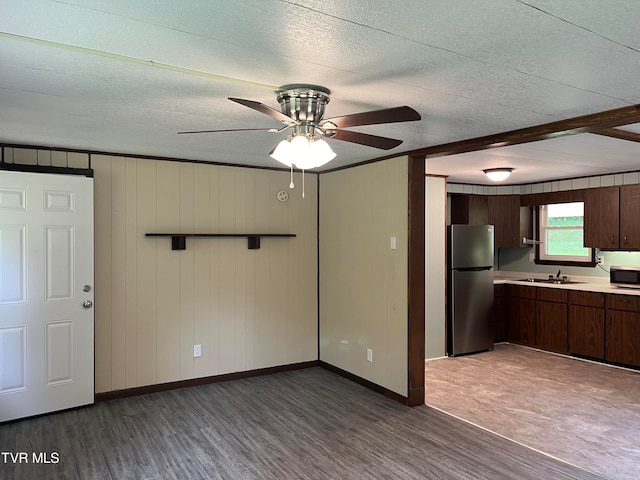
302,110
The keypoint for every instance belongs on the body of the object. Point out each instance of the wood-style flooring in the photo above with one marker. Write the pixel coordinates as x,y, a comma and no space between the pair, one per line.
304,424
585,413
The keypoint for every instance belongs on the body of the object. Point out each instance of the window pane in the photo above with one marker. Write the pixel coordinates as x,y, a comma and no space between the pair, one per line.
565,243
565,214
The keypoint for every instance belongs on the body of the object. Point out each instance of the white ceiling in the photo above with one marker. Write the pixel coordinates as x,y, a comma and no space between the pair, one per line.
125,77
572,156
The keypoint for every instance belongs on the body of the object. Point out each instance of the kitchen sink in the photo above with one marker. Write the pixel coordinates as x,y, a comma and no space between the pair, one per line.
550,281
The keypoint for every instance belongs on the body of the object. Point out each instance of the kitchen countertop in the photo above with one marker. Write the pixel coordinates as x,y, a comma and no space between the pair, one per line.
588,284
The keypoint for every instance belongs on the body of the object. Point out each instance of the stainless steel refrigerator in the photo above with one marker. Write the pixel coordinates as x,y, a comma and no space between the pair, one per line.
470,289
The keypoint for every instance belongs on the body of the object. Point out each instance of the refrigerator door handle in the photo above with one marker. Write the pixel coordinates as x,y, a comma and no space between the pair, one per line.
473,269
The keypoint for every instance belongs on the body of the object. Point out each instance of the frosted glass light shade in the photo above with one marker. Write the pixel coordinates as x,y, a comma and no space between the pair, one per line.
305,154
282,153
498,174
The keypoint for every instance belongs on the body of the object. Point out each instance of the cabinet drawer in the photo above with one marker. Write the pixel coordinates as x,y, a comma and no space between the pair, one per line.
623,302
588,299
520,291
552,295
499,290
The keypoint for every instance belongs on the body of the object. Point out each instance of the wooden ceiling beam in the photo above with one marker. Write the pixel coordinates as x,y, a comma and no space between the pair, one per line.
618,133
592,123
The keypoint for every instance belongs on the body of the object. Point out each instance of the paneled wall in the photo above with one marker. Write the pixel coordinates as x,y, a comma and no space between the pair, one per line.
435,266
248,309
363,282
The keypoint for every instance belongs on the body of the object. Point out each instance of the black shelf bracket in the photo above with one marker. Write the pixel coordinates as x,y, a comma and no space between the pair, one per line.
179,240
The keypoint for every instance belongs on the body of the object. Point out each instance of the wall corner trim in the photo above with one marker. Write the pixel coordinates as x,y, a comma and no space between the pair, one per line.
366,383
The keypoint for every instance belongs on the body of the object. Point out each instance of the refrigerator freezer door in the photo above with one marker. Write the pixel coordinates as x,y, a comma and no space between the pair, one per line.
470,246
471,328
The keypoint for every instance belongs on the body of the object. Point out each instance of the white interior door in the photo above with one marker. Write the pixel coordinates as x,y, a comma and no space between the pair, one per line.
46,276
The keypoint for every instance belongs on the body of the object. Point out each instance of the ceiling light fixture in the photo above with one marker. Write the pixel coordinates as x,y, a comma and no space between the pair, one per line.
498,174
303,151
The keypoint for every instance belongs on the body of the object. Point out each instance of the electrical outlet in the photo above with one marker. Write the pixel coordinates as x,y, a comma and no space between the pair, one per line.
197,351
600,260
369,355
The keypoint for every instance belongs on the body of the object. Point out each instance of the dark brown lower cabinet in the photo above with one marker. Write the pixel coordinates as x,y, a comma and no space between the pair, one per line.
499,314
586,324
586,331
591,324
622,343
522,320
551,326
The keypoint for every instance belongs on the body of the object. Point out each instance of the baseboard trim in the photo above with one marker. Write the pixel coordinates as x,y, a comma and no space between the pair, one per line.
161,387
366,383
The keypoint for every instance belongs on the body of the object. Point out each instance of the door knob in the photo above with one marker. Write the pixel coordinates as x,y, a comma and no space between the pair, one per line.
87,304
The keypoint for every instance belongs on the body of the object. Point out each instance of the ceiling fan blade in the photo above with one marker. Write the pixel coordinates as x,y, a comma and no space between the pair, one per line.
375,141
271,130
262,108
386,115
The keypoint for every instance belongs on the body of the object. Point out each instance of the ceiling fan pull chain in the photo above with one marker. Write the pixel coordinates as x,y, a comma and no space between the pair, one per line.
303,183
291,185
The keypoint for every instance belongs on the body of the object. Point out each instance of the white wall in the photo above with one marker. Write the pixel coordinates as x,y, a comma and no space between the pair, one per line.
247,308
435,266
363,283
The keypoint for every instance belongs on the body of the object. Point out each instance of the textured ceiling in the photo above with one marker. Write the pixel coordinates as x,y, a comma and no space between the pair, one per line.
125,77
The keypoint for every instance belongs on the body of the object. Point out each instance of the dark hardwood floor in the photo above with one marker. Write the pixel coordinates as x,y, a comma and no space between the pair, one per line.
305,424
585,413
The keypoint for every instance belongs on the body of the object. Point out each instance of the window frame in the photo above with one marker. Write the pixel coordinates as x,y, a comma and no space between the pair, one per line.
563,261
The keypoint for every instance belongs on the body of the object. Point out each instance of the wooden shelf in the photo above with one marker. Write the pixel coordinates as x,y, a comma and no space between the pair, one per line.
179,240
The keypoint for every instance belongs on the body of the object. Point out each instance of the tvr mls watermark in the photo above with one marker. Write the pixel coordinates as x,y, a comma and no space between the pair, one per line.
34,457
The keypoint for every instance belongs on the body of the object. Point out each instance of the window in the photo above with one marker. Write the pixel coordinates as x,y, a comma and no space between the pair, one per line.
562,234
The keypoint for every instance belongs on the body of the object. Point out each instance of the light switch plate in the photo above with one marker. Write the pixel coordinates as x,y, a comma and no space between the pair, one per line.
197,351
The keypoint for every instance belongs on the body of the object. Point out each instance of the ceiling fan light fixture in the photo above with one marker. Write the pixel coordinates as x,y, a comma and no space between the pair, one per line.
283,153
498,174
303,152
321,152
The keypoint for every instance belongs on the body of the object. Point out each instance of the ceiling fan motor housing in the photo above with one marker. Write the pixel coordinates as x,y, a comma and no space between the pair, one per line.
304,103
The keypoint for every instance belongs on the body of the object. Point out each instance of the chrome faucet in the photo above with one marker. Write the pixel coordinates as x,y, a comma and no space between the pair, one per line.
558,276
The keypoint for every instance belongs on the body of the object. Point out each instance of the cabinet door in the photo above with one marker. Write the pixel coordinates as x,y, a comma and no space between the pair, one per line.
504,213
629,224
499,319
602,217
586,331
588,299
521,320
622,335
499,313
551,326
469,209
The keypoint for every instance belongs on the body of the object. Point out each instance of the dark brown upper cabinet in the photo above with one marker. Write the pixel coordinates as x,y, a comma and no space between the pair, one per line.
602,217
504,214
629,218
611,217
503,211
469,209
